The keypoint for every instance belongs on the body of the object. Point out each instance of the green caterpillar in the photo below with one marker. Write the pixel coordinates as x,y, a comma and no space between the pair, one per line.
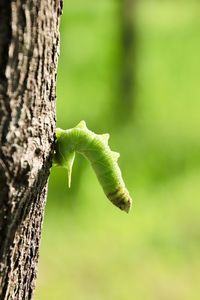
104,161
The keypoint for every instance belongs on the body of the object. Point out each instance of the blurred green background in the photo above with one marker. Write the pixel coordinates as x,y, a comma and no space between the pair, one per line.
90,249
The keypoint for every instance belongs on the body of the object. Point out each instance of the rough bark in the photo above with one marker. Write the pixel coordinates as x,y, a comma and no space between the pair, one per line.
29,43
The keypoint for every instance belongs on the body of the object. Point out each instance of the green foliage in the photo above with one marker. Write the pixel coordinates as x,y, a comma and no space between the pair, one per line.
90,251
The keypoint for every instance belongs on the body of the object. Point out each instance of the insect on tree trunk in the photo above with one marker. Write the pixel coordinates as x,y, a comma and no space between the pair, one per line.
29,45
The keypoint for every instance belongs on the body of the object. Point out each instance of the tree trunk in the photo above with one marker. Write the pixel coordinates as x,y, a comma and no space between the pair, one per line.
127,59
29,43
